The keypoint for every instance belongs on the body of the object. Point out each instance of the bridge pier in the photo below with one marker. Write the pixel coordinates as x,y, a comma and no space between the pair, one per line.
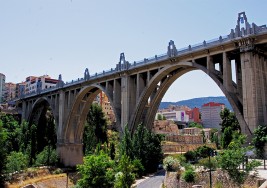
254,74
70,154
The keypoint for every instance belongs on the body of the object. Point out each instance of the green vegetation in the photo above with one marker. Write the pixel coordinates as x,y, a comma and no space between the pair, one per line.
189,175
260,139
97,171
231,159
16,161
194,124
3,136
229,125
47,157
21,147
171,164
95,130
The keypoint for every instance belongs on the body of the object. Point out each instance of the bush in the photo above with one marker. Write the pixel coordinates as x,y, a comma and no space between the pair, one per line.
16,161
171,164
189,175
97,171
125,176
138,168
208,163
47,157
190,156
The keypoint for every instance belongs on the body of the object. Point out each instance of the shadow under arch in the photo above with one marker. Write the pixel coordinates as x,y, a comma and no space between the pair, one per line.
73,132
37,108
166,77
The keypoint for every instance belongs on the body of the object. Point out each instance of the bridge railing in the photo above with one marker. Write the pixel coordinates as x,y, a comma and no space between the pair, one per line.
156,58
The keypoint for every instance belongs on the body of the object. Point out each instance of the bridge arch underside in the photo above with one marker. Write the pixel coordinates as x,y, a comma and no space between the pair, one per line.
71,138
151,97
39,110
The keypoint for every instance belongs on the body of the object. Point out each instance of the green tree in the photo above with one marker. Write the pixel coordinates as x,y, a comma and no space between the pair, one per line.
16,161
95,130
12,127
171,164
194,124
159,117
231,159
126,145
46,157
125,176
97,171
147,148
229,125
229,120
3,136
260,139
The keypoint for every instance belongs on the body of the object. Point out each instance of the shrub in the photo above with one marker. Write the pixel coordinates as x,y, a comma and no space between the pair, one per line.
189,175
125,177
97,171
16,161
208,163
171,164
138,168
47,157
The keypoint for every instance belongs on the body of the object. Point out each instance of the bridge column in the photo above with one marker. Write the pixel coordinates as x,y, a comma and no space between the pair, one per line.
23,115
124,101
210,64
254,77
227,73
70,154
61,107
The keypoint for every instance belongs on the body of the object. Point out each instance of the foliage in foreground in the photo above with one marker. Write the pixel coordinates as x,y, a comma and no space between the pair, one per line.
144,146
260,139
125,177
231,159
97,171
16,161
189,175
171,164
47,157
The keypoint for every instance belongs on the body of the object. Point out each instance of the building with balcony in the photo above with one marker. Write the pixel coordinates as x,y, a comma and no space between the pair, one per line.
36,84
10,91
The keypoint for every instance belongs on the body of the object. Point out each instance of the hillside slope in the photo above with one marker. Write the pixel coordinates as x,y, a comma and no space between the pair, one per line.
197,102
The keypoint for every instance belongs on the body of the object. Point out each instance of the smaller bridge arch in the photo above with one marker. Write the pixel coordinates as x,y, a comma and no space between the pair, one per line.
71,138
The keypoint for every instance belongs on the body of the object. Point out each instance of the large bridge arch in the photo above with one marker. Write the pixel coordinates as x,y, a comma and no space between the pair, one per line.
160,83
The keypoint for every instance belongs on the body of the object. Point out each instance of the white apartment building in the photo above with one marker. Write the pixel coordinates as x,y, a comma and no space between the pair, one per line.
35,84
175,116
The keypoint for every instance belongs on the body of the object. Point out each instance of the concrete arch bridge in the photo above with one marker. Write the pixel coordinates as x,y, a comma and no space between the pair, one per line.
135,89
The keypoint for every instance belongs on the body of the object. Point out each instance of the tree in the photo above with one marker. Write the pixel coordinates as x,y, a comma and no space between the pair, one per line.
229,125
260,139
147,148
3,136
97,171
46,157
159,117
125,176
231,158
194,124
229,120
12,127
95,130
16,161
126,145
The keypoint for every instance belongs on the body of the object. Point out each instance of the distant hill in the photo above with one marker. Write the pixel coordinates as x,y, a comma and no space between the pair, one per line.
197,102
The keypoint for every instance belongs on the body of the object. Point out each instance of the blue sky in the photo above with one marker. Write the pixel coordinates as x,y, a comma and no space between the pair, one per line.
55,37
